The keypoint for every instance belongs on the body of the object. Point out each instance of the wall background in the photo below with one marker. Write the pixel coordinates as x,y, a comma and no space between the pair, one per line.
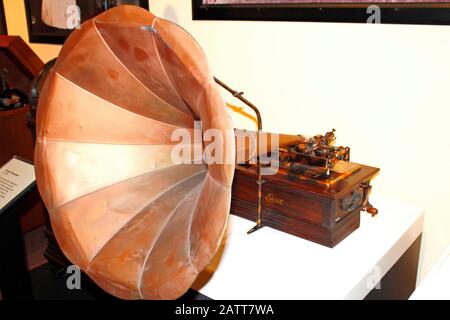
385,88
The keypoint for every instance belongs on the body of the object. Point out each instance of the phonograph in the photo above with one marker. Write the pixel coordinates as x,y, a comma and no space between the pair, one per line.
140,224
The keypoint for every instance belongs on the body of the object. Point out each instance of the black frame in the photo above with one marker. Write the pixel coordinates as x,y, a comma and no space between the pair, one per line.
3,28
57,36
430,13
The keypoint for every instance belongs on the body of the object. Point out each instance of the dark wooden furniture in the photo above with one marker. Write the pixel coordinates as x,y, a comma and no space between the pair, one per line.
19,62
16,138
323,214
19,65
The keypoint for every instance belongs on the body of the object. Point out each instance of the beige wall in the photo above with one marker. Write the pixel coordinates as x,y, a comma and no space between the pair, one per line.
385,88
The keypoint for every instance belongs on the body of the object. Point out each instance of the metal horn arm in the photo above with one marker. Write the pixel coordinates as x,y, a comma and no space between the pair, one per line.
239,95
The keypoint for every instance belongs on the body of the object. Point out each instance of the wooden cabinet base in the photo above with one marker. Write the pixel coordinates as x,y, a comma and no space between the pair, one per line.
319,213
298,228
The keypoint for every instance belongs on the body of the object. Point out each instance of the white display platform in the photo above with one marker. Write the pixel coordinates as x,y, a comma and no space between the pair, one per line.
270,264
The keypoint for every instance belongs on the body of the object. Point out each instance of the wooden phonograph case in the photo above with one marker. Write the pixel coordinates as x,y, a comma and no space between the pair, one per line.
140,224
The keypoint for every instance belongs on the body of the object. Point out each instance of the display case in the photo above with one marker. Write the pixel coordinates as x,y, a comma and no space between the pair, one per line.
18,67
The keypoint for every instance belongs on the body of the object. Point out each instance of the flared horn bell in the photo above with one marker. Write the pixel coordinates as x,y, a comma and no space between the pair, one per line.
139,224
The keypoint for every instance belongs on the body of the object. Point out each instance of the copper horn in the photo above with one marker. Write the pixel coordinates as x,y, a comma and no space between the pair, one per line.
140,225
